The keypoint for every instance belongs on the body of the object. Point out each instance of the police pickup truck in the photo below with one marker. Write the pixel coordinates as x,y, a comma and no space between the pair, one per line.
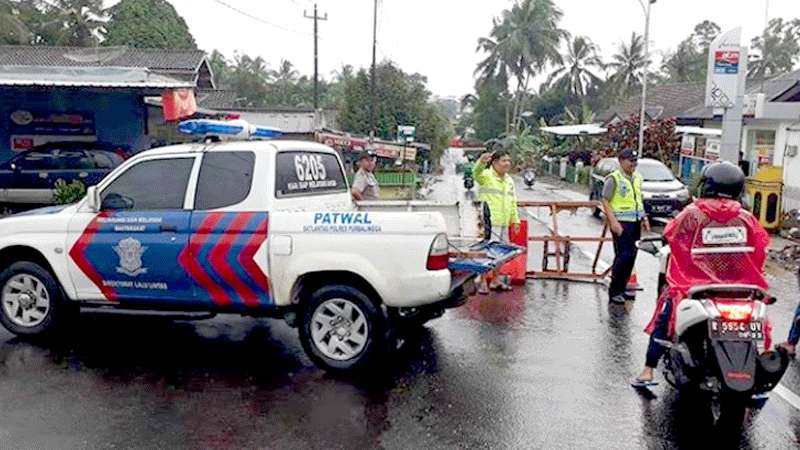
257,228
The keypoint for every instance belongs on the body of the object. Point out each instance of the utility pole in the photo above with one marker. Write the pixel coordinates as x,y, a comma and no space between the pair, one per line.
644,75
372,71
316,19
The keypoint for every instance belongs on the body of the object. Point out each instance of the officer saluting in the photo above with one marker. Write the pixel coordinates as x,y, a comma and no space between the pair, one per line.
624,209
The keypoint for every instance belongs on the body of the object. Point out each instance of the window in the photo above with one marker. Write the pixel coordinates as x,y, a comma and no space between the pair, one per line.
762,146
225,179
72,160
154,184
35,160
308,173
105,160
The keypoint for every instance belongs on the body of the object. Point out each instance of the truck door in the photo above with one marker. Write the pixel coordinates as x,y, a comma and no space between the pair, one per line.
227,251
131,249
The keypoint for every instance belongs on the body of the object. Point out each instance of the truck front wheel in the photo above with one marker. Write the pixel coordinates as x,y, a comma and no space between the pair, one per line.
342,330
31,302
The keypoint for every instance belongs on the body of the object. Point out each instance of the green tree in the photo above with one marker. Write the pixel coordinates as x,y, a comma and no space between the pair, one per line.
522,43
627,67
147,24
14,24
248,77
778,49
688,62
402,99
76,23
219,67
576,75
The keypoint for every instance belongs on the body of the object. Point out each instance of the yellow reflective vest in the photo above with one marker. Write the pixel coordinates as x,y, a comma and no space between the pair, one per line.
627,202
499,193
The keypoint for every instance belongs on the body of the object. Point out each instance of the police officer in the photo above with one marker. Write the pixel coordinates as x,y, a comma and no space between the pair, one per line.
365,185
624,208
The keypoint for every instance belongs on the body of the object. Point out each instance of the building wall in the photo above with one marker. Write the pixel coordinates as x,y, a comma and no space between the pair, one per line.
119,117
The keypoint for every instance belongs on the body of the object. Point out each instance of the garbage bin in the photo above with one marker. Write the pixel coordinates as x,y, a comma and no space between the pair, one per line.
765,192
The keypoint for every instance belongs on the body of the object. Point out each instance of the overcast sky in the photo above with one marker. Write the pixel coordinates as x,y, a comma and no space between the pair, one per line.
437,38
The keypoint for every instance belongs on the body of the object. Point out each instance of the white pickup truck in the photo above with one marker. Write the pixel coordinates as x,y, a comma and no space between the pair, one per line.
258,228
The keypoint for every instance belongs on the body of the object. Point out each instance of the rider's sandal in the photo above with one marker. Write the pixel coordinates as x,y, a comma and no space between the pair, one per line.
639,383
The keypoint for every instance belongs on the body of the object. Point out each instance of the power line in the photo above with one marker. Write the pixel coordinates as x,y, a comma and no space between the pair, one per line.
259,19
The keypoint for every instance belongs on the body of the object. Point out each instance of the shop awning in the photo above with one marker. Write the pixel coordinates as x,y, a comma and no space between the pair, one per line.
575,130
88,77
698,130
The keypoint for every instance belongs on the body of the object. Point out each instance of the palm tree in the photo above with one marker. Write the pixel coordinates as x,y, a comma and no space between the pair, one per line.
575,76
522,42
627,66
286,72
685,64
80,23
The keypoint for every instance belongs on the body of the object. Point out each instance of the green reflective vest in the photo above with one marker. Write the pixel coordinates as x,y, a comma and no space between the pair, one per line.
499,193
627,202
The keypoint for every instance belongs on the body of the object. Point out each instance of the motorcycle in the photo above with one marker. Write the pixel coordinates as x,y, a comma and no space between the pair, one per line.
718,348
529,177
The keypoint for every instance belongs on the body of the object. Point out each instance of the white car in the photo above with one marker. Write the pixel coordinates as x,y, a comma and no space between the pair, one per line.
258,228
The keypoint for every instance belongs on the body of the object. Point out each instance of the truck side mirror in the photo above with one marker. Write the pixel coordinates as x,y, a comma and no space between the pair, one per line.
92,198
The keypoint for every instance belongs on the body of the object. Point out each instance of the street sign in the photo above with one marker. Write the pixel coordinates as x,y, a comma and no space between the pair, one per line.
406,133
724,66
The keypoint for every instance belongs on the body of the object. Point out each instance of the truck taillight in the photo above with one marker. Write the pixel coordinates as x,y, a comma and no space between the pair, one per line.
738,311
439,256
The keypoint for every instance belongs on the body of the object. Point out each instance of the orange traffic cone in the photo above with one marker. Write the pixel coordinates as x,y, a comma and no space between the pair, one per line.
633,283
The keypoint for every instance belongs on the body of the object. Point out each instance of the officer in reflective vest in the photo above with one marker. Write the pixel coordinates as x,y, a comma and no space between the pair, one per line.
624,209
498,192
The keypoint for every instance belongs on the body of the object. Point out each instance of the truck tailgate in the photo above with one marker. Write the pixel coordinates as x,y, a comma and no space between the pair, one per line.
464,219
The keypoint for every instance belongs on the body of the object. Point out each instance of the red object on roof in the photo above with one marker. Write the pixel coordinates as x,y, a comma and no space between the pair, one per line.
178,103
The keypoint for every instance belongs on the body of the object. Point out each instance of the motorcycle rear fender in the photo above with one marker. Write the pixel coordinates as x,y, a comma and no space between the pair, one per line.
690,312
737,363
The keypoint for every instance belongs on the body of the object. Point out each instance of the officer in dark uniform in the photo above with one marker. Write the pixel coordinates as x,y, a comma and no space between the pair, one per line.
624,208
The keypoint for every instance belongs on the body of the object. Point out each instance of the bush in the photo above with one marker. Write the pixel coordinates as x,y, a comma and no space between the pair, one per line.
64,193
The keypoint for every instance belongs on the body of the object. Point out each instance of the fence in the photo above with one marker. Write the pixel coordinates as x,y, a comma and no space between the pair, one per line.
571,173
396,184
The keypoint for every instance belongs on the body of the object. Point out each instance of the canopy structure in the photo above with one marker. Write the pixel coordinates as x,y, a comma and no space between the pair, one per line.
575,130
699,130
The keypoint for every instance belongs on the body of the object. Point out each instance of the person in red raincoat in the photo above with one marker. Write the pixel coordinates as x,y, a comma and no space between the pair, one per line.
743,263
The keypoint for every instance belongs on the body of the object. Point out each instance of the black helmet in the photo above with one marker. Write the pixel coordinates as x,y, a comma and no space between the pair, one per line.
722,180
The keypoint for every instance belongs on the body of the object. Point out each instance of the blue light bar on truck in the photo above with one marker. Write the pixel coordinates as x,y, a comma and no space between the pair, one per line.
227,128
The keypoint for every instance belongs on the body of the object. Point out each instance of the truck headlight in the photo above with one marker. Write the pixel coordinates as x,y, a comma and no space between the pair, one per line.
683,195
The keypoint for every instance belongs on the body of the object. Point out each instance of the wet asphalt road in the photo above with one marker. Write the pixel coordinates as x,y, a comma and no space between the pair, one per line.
546,366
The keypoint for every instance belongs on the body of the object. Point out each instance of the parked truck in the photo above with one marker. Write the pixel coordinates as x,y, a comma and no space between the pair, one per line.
257,228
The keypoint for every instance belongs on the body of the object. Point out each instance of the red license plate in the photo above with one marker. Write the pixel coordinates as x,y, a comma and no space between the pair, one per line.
732,330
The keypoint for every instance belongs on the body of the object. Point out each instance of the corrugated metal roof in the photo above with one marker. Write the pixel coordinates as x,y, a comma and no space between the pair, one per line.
98,77
154,59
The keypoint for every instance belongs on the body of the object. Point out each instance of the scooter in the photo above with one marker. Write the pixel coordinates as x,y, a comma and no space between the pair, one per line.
717,350
529,177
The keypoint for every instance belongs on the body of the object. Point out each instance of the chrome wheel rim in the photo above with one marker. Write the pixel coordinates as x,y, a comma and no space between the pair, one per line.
25,299
339,329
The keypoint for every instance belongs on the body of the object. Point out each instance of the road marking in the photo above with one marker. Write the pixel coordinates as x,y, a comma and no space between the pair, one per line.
787,395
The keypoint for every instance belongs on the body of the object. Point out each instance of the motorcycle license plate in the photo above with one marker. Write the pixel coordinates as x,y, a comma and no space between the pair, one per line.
730,330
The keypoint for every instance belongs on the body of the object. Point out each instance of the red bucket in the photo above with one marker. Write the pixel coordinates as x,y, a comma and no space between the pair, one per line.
517,268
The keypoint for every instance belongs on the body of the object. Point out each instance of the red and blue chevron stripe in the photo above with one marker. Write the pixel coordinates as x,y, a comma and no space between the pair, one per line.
220,258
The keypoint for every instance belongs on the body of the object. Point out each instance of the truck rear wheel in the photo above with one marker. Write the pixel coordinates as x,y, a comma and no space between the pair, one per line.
342,329
31,301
